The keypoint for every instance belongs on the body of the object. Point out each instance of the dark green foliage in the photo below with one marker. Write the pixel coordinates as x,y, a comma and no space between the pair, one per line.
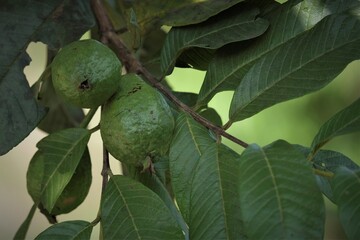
197,188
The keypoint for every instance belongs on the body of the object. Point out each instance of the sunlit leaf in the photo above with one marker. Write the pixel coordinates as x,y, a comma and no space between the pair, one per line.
302,65
346,186
344,122
287,21
69,230
214,204
54,23
53,165
232,25
190,141
278,194
129,210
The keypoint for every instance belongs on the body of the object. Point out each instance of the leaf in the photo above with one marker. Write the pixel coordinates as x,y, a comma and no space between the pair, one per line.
21,232
287,21
153,182
151,50
129,210
346,186
212,115
214,204
327,161
155,13
54,164
60,115
278,194
301,66
68,230
189,142
344,122
236,24
197,58
54,23
186,97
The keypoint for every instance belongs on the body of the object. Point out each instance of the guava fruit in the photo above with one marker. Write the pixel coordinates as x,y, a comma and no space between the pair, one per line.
86,73
136,123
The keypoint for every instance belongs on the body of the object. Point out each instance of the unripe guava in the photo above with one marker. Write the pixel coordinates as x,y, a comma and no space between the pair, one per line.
136,123
86,73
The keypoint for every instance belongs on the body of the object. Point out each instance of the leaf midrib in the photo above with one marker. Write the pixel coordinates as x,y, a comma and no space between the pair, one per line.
292,71
51,176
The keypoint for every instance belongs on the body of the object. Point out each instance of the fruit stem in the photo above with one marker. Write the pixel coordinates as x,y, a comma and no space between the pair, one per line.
108,35
88,117
323,173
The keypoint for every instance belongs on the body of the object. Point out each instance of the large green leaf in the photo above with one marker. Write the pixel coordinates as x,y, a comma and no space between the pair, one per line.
214,204
129,210
344,122
287,22
346,186
189,142
302,65
278,194
150,13
54,164
52,22
235,24
69,230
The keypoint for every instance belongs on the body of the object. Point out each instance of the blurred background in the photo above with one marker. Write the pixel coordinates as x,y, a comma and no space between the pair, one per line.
295,121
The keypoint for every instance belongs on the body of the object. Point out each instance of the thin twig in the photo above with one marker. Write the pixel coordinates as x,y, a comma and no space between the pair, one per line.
133,65
105,169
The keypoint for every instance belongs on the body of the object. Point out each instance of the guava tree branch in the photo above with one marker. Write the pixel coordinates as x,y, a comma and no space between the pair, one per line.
108,35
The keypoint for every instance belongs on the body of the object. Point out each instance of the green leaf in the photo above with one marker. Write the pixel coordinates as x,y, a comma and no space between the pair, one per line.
346,186
302,65
278,194
129,210
197,58
189,142
235,24
287,22
69,230
54,23
60,115
212,115
153,182
327,161
186,97
21,232
152,13
344,122
151,50
214,204
54,164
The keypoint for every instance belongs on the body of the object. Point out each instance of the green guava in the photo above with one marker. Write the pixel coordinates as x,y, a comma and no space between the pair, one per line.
86,73
136,123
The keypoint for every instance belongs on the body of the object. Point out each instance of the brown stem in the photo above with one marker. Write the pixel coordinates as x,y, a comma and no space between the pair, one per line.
105,169
133,65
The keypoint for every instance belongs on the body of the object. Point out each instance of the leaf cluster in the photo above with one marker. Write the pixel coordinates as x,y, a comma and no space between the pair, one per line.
263,51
